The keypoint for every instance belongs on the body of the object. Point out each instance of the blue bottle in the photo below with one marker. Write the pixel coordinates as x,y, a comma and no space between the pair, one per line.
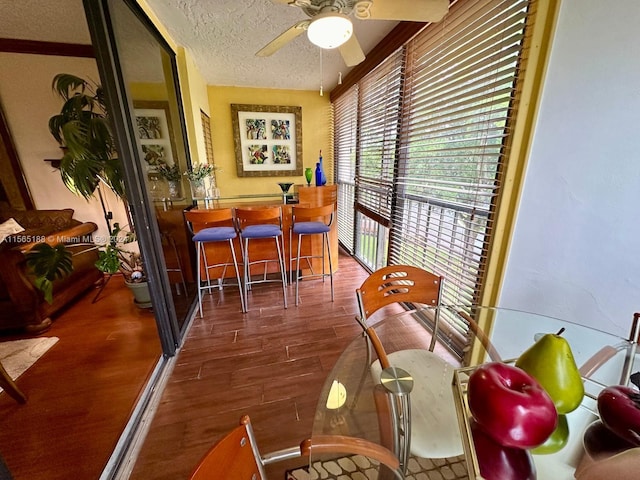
318,175
323,176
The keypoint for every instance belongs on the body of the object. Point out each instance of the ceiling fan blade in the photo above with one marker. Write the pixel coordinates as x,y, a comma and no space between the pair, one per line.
281,40
351,52
402,10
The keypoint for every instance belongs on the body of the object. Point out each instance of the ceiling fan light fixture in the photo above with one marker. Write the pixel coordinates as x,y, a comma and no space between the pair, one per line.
330,30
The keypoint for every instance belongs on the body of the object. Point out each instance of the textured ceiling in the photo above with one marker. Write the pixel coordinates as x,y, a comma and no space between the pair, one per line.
222,36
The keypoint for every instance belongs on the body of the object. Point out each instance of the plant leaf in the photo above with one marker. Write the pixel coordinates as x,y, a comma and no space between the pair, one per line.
48,264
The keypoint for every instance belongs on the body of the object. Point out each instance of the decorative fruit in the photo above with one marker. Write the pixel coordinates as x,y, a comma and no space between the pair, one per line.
510,405
557,440
551,362
498,462
619,409
600,442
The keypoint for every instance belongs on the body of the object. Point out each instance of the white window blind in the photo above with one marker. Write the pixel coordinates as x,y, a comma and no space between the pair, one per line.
345,116
459,90
379,103
431,138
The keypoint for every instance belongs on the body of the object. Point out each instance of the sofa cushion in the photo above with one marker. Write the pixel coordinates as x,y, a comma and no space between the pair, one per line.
53,220
38,224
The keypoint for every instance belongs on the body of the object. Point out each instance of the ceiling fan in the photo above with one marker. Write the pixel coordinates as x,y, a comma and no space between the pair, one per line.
329,25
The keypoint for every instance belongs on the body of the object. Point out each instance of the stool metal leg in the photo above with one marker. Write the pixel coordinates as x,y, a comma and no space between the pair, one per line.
326,238
282,271
298,268
199,248
246,269
240,284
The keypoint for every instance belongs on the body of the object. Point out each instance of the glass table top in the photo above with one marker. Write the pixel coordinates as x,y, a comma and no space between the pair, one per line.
348,401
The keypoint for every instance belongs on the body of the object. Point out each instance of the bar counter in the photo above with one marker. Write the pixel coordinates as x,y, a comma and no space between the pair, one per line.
171,220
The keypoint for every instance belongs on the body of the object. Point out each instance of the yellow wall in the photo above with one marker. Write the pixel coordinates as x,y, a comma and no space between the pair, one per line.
316,135
195,99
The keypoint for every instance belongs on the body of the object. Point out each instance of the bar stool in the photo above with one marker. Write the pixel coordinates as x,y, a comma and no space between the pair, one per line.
311,221
255,224
213,226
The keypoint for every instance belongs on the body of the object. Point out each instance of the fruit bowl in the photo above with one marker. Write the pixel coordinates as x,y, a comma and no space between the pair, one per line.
557,466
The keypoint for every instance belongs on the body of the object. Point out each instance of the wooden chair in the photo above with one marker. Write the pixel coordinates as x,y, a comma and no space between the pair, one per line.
236,456
426,417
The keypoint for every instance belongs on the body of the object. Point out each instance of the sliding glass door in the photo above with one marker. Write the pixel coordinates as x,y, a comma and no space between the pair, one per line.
139,74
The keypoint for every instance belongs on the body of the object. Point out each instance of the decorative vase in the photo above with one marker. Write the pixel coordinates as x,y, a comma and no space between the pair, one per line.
198,189
308,175
323,176
318,175
285,186
174,188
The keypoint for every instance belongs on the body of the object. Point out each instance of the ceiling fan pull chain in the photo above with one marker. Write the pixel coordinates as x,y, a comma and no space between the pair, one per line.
321,90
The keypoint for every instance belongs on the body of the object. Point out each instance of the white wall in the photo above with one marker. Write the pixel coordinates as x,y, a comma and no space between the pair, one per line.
576,249
28,102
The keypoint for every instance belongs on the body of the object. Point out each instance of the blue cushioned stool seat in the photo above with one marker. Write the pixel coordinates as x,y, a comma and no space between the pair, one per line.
215,234
310,228
261,231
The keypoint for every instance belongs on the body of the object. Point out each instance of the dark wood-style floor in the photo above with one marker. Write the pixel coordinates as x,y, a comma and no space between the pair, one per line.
269,363
82,391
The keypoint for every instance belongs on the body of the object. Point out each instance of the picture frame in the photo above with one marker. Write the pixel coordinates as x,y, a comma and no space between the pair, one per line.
267,140
154,132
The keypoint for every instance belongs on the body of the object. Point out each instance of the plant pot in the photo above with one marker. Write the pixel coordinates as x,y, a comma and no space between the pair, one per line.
141,296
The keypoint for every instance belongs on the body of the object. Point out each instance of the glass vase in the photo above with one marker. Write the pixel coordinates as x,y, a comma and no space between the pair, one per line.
308,175
174,188
198,189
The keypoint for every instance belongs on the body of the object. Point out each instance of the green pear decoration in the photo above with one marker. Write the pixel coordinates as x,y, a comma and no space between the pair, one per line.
551,362
557,440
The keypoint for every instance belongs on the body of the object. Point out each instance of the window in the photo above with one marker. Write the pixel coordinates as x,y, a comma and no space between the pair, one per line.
431,138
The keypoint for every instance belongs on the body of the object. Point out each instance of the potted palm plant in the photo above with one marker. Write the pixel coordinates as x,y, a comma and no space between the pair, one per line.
83,130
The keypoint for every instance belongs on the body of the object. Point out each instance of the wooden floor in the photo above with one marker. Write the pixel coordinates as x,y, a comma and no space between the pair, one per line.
82,391
269,363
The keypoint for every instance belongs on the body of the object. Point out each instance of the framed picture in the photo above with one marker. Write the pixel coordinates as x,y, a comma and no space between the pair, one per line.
268,140
155,134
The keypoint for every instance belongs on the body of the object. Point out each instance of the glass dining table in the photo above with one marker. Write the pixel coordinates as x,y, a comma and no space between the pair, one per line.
352,403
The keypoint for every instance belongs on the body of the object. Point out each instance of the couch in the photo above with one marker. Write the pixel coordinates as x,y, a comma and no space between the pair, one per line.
22,305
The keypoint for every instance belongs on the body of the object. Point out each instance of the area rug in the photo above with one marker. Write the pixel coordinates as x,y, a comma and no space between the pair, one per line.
357,467
18,355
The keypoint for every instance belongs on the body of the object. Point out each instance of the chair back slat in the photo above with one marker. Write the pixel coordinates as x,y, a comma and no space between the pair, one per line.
200,219
258,215
323,213
398,284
